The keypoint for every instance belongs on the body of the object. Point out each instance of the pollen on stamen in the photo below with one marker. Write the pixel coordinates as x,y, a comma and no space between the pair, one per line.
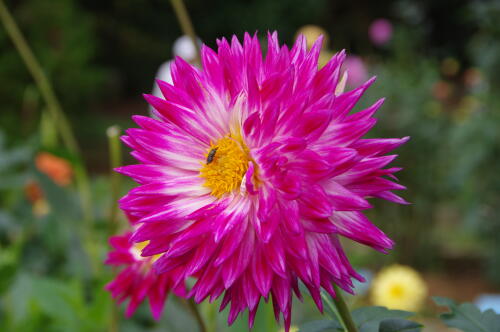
224,173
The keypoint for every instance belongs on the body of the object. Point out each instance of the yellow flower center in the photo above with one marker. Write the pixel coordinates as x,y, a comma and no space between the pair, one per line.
137,250
396,290
226,164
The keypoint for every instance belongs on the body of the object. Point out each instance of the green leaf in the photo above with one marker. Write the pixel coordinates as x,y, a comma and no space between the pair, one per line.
398,325
9,159
19,296
467,317
57,299
324,325
443,301
98,312
62,201
9,259
368,319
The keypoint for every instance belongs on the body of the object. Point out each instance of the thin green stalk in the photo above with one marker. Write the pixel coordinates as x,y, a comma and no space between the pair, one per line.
48,134
194,310
53,105
328,300
343,311
186,26
270,319
115,160
209,311
115,318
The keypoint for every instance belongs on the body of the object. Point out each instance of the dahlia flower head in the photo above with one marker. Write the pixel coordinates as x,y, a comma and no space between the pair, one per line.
252,171
137,280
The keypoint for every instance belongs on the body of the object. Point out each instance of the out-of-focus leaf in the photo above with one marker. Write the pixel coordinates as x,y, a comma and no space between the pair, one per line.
321,326
62,202
9,258
57,299
6,220
99,313
467,317
19,296
399,325
7,274
14,157
11,181
368,319
61,303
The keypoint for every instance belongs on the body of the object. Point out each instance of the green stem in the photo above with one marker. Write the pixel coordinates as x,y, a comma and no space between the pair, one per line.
115,318
48,133
186,26
194,310
209,311
53,105
115,159
343,311
328,300
270,319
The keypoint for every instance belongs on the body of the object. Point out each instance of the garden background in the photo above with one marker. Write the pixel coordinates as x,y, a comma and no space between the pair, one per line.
439,70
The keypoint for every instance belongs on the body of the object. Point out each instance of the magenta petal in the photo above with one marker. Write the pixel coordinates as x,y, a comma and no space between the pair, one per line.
356,226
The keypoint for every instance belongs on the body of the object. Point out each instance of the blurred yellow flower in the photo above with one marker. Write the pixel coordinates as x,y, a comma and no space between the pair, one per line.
450,66
399,287
312,32
41,208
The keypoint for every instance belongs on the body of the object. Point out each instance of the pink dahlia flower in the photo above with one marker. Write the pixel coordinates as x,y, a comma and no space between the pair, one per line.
357,72
137,280
380,31
253,171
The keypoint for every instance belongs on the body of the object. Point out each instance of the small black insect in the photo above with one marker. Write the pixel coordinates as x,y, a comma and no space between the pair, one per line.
211,155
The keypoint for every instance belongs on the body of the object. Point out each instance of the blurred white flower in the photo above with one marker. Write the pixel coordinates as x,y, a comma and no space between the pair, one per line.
183,47
489,301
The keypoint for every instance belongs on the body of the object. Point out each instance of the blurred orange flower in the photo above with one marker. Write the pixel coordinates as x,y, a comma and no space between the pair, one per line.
473,77
441,90
58,169
33,191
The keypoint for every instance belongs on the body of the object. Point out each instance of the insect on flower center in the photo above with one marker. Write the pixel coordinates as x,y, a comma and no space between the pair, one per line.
226,164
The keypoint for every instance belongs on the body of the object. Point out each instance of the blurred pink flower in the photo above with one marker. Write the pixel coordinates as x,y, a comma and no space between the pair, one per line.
357,73
380,31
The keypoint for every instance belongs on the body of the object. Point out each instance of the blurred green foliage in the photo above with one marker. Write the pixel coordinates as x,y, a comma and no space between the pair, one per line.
63,39
468,318
101,55
452,159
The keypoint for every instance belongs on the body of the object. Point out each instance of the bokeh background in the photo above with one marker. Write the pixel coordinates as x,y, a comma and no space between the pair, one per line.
438,65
